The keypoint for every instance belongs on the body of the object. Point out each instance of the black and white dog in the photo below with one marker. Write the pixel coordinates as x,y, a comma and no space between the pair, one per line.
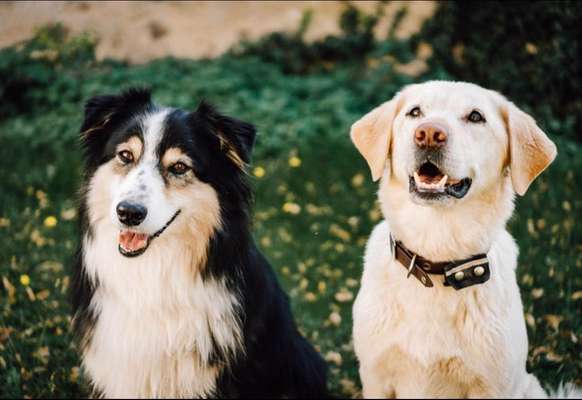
171,297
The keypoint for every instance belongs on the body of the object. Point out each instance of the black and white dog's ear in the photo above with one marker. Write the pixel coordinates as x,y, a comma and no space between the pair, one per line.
103,111
236,138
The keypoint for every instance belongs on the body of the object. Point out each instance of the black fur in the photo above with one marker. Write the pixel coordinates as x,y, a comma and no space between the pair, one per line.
276,360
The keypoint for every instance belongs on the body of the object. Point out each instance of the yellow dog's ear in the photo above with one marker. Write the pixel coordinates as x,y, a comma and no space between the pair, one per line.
530,150
371,136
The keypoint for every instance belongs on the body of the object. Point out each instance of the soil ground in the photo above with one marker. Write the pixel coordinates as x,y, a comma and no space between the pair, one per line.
142,31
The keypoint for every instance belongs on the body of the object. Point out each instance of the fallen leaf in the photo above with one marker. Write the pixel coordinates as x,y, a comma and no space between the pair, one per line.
10,289
344,296
335,318
334,357
310,297
42,354
530,320
537,293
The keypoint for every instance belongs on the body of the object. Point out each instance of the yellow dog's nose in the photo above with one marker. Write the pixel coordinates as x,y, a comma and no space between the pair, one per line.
430,135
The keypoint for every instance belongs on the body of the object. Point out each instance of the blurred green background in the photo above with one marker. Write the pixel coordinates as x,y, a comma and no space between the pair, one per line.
315,204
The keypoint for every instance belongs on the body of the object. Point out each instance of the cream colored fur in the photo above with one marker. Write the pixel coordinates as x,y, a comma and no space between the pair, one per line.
413,341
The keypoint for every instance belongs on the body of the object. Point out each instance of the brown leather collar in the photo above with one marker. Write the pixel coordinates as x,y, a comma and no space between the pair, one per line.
458,274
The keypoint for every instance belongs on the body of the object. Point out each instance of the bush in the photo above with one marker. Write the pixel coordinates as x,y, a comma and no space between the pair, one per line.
43,71
294,55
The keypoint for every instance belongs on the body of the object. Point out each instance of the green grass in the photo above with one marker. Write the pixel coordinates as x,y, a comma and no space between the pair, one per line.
311,220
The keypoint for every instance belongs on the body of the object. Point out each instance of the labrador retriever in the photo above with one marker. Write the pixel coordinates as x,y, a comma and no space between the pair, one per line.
439,312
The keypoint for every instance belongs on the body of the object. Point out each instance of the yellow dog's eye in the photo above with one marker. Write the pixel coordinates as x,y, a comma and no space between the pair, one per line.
125,156
415,112
475,117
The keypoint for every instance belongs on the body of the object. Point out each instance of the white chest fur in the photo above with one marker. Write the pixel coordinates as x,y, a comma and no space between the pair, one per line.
410,339
158,322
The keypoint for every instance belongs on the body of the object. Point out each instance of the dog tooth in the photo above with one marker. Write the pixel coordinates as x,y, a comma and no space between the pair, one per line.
443,181
417,179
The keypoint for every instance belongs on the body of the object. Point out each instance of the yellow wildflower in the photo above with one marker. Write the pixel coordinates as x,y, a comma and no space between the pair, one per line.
294,162
25,280
259,172
50,221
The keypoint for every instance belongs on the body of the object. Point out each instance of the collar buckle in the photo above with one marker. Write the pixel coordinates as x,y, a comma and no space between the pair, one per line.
411,266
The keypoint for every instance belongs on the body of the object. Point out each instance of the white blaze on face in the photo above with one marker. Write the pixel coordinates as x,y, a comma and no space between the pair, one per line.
144,185
182,204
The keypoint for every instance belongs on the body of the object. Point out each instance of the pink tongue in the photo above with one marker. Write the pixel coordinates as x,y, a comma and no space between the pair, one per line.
133,241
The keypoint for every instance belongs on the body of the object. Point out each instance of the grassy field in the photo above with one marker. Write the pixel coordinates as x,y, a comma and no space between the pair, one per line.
315,207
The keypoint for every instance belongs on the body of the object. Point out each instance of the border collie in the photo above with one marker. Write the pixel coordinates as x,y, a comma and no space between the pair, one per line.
171,298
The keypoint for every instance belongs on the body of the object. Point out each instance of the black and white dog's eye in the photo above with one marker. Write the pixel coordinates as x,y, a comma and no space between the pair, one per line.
415,112
475,117
125,156
179,168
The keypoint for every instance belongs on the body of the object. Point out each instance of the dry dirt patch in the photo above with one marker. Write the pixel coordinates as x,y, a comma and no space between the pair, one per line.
141,31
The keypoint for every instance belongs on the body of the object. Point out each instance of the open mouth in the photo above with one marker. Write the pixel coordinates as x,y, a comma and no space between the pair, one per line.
430,182
133,244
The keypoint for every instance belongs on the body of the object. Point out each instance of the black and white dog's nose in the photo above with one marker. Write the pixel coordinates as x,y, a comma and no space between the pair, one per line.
131,214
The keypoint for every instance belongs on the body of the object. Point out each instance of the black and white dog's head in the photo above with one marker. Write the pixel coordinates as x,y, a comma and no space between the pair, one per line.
155,171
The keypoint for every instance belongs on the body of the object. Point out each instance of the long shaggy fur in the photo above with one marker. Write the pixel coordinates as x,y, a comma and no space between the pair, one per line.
200,312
